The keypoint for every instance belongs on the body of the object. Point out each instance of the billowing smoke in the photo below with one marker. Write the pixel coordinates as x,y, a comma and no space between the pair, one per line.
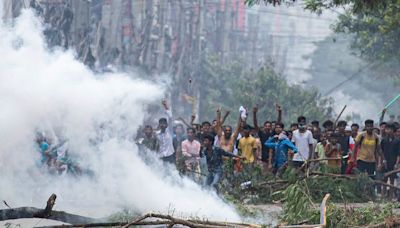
51,92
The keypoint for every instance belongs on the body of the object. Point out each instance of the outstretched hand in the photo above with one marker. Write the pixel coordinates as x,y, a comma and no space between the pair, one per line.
278,107
255,109
165,104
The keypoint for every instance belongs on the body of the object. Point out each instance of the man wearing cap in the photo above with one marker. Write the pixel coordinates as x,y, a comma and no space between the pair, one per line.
281,145
303,140
344,141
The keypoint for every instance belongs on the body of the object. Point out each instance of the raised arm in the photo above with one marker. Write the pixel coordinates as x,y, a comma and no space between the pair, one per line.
291,146
219,124
271,143
382,116
255,110
225,116
238,127
279,110
184,122
169,114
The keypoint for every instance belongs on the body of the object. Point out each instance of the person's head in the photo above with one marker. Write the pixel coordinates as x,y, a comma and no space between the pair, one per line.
190,132
397,133
282,136
163,124
382,128
294,126
315,123
206,127
342,126
273,124
246,130
214,123
302,127
390,129
369,126
301,120
227,131
316,133
396,124
289,134
334,138
148,131
328,133
328,125
208,140
179,129
279,128
354,130
347,131
267,126
323,138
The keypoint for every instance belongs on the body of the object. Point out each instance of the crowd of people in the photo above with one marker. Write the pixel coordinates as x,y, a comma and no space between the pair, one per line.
336,146
202,152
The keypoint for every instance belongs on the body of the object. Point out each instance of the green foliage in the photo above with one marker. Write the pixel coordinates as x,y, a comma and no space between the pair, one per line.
341,190
299,208
362,216
375,25
231,85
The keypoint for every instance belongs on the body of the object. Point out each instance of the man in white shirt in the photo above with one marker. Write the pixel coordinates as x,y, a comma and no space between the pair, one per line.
166,148
303,139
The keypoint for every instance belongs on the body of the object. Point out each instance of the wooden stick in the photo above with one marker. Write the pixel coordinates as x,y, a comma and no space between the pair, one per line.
333,175
386,184
137,220
337,119
274,182
49,207
391,172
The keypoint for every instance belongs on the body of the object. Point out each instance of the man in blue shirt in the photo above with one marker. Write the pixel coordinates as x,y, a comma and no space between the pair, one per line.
281,144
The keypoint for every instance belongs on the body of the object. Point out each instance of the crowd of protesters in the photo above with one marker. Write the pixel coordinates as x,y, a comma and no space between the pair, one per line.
338,147
202,151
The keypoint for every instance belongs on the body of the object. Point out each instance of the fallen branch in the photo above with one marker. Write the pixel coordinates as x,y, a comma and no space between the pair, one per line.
274,182
386,184
164,220
333,175
389,222
32,212
391,172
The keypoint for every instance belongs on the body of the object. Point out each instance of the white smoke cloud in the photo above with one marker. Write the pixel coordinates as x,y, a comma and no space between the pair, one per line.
53,92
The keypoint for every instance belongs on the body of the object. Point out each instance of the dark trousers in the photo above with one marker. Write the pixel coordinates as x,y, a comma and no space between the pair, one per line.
169,159
343,168
368,167
297,164
213,178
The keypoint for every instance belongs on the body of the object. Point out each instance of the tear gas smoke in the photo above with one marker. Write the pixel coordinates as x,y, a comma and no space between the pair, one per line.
53,93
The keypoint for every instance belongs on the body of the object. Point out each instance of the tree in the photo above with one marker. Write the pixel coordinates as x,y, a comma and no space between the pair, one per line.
231,85
375,25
